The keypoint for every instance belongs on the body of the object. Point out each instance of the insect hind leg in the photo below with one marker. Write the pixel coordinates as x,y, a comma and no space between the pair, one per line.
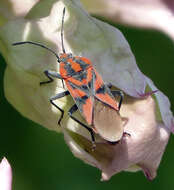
73,109
118,93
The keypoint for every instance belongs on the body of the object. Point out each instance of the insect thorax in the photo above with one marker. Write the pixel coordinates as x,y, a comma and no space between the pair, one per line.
73,65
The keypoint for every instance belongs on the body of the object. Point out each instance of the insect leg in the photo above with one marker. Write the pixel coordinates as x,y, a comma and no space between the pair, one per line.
109,85
73,109
60,95
118,93
49,75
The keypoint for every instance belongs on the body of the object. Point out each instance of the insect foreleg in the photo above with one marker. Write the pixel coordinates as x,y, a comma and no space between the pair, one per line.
60,95
73,109
118,93
49,75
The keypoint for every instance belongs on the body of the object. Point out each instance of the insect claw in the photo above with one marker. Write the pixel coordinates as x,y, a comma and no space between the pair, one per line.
41,83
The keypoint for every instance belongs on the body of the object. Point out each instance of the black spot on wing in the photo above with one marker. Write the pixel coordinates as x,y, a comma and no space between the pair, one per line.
90,84
104,90
101,90
80,101
69,69
83,88
82,64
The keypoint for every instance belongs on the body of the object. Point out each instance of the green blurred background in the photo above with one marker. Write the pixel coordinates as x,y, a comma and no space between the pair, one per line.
40,158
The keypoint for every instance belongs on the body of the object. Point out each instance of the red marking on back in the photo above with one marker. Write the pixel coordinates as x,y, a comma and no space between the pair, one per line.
87,108
75,66
62,70
77,82
98,82
89,74
74,92
105,98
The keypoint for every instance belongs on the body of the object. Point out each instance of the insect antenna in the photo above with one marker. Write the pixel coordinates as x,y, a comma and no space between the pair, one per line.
63,16
37,44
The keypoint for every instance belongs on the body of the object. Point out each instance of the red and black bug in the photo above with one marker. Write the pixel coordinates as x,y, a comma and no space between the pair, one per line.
86,87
